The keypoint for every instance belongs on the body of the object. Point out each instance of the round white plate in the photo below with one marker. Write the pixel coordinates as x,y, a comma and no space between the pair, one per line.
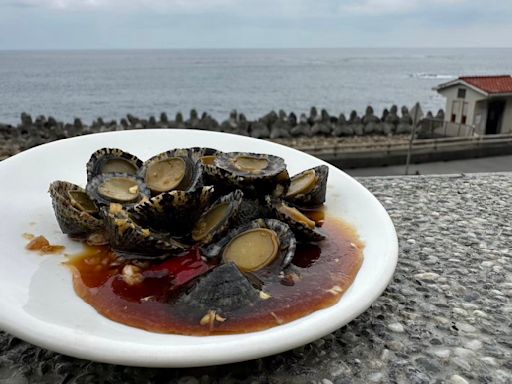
38,303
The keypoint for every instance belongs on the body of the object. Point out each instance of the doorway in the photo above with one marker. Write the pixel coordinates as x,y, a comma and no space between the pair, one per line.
494,117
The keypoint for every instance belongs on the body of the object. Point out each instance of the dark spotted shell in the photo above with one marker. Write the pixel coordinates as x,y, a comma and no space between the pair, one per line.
252,209
92,189
302,231
71,220
175,212
198,152
193,168
131,240
224,289
234,200
102,156
287,242
316,196
272,179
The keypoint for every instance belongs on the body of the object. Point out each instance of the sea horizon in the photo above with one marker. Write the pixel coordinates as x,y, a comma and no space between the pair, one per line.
110,83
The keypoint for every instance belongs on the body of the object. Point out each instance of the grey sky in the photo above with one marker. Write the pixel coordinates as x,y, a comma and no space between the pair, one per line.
62,24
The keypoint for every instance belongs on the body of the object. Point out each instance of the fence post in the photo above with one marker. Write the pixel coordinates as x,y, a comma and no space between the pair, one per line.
417,116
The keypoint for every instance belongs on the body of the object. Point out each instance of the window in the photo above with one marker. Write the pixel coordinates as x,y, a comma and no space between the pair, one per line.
453,118
461,93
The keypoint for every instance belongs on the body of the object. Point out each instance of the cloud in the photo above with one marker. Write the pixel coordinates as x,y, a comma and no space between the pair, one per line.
170,5
386,7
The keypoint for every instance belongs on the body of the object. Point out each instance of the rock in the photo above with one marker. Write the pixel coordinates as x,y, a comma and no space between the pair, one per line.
40,121
396,327
243,125
313,114
385,114
355,123
77,123
322,126
269,119
371,122
302,128
208,123
132,119
231,124
427,276
281,128
178,121
259,130
164,120
26,119
391,121
405,124
292,119
52,122
193,121
456,379
342,128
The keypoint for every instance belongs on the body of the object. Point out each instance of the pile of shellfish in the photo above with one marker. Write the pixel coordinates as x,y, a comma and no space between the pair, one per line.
242,208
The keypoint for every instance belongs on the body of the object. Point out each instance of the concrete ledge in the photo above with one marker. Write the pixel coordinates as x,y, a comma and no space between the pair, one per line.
444,318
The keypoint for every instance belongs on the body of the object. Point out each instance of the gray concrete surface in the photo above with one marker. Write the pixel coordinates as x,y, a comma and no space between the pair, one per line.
486,164
444,318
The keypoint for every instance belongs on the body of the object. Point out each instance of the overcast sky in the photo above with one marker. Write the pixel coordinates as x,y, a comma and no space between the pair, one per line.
77,24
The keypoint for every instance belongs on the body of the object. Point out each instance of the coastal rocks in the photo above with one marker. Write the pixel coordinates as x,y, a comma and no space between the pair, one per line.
259,130
281,128
164,120
371,122
26,120
178,121
193,121
356,124
208,123
391,121
313,113
319,125
341,128
302,128
405,124
322,124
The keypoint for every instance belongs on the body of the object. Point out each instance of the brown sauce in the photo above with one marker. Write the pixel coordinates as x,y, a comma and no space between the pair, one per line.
41,244
318,277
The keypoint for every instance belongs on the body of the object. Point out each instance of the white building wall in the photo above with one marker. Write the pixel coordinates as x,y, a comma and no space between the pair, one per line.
506,123
472,97
480,116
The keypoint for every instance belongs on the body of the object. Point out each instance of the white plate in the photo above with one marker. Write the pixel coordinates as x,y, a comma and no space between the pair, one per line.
38,303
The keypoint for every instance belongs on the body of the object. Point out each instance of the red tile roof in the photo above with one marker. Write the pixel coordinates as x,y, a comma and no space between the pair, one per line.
490,84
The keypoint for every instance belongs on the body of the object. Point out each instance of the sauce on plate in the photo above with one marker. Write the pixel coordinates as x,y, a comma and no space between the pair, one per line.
144,295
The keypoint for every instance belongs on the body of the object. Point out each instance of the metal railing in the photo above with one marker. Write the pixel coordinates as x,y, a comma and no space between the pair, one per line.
442,128
336,146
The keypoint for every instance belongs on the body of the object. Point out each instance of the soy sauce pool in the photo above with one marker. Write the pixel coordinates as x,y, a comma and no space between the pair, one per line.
144,295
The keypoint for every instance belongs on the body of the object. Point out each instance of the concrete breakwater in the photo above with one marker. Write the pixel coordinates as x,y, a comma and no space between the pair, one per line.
274,125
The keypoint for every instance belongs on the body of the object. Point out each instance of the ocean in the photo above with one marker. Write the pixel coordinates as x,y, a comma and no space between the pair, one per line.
110,84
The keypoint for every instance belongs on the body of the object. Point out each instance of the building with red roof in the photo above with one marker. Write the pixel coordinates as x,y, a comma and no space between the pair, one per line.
484,102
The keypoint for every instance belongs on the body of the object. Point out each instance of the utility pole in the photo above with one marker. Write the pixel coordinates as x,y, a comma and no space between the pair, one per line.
417,114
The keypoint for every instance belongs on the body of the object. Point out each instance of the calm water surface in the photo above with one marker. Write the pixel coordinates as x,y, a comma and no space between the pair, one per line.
110,84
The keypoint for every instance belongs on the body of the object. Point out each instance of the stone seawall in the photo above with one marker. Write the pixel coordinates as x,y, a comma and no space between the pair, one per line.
286,128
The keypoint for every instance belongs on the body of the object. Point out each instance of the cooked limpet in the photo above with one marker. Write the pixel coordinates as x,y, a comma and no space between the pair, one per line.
119,188
255,245
308,188
218,219
177,169
76,214
112,160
